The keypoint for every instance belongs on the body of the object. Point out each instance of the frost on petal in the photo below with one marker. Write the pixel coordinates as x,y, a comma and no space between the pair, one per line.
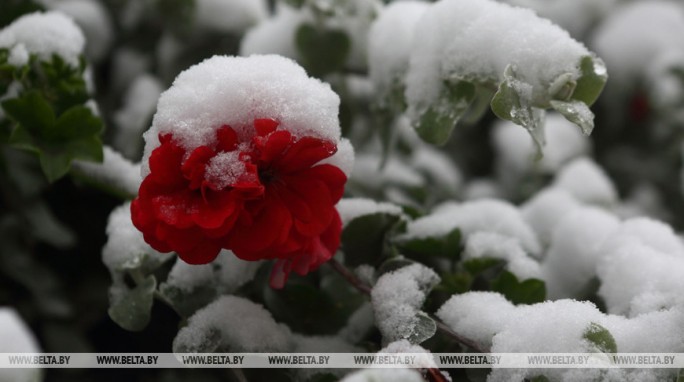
235,91
233,324
576,249
496,246
397,298
16,337
384,375
125,247
229,15
477,315
587,182
546,209
45,34
353,208
485,215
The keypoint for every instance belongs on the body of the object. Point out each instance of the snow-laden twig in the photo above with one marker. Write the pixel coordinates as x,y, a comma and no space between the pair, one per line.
365,289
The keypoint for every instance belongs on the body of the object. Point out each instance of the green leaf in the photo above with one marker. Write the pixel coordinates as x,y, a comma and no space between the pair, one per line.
89,149
365,239
394,263
530,291
54,166
21,139
576,112
132,309
509,104
479,265
76,123
454,283
601,338
323,51
424,328
447,246
187,303
32,111
304,307
590,84
436,124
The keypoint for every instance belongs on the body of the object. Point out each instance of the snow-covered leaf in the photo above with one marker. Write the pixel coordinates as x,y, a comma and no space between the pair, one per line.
438,121
131,308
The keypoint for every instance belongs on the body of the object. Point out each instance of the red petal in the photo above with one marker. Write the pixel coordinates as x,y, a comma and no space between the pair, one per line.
165,163
213,212
279,273
227,138
305,153
203,253
268,226
194,167
265,126
273,147
332,176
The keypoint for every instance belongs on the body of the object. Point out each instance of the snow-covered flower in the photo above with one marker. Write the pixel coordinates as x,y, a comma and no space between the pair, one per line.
235,161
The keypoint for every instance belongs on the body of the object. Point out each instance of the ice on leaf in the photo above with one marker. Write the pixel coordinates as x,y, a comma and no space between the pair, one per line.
448,68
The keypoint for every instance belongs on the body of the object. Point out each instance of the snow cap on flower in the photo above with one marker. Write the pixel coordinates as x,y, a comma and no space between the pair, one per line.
235,91
244,153
44,34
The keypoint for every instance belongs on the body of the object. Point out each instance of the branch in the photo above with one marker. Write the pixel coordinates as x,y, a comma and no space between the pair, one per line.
365,289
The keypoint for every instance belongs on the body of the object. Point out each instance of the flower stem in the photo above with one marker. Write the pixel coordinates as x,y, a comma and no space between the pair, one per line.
366,289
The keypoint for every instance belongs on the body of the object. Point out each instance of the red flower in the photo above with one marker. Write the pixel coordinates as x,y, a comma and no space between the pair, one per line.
263,199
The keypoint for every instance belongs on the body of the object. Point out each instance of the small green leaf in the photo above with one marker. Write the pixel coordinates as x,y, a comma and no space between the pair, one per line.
576,112
21,139
132,309
436,124
447,246
32,111
529,291
601,338
454,283
394,263
89,149
54,166
479,265
425,327
509,104
365,239
76,123
593,79
323,51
